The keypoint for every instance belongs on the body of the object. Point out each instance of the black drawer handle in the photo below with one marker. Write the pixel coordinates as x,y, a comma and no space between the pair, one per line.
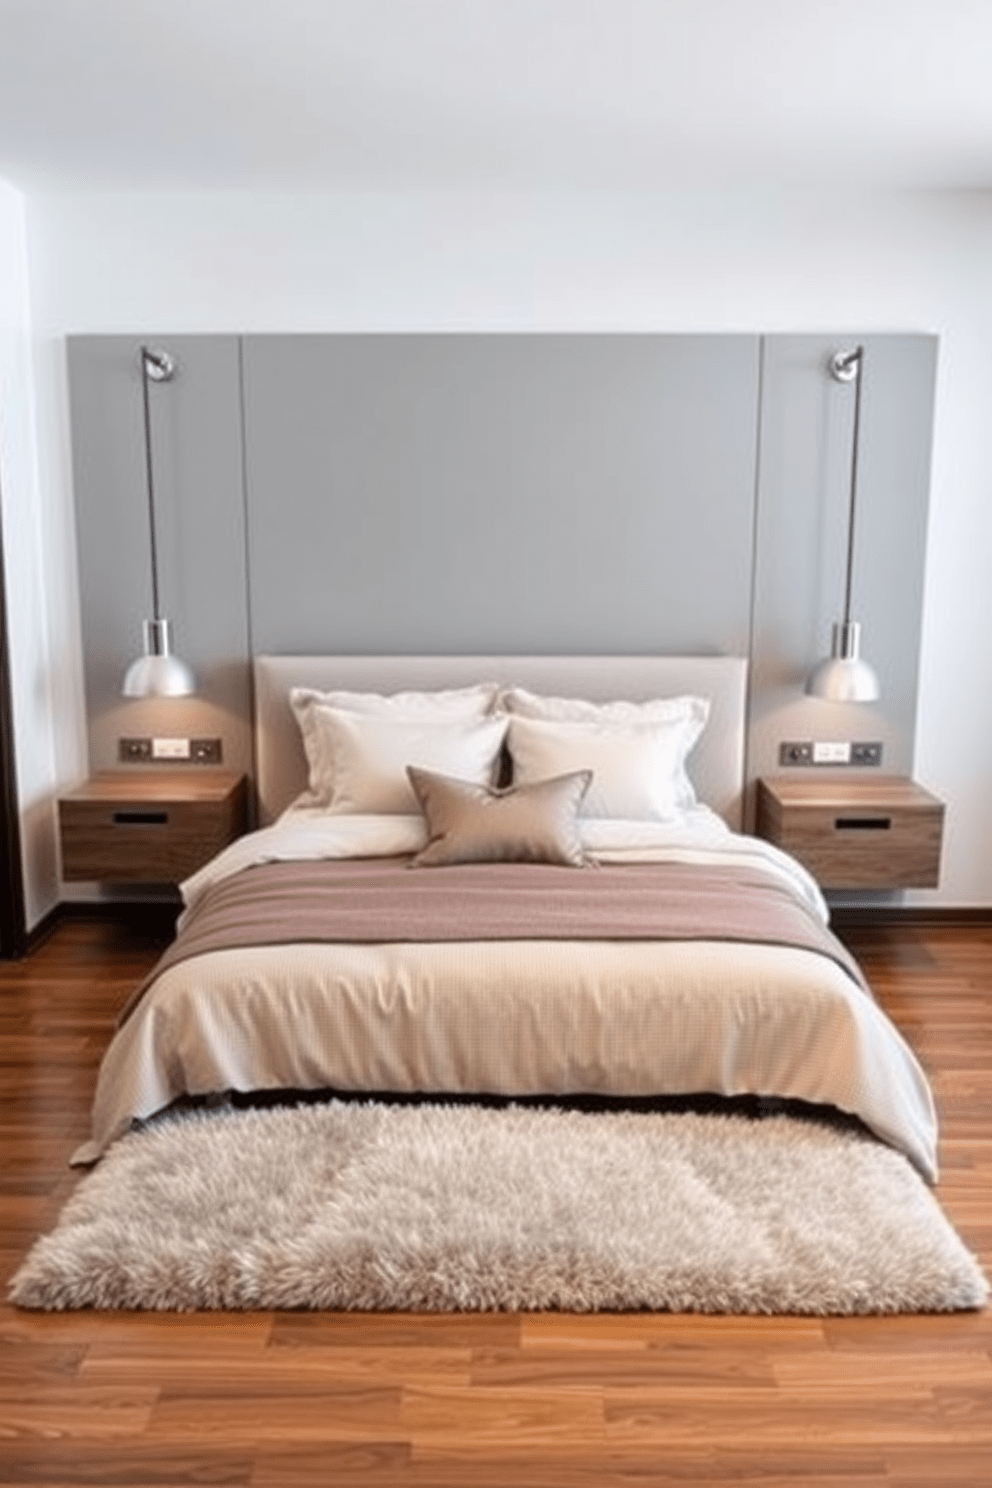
141,818
863,823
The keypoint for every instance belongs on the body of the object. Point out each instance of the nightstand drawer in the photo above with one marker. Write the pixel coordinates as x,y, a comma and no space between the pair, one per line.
142,829
856,834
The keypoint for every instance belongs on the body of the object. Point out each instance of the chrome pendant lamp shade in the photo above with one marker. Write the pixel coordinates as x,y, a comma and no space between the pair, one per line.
157,673
843,677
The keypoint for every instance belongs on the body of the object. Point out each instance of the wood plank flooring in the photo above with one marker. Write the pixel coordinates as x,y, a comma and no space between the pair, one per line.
286,1399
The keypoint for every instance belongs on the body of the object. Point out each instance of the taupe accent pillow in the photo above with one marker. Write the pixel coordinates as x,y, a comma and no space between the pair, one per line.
469,823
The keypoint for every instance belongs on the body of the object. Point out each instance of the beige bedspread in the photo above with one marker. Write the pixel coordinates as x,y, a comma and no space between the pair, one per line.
613,1017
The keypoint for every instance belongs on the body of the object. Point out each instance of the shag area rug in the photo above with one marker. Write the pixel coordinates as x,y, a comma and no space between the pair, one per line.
433,1208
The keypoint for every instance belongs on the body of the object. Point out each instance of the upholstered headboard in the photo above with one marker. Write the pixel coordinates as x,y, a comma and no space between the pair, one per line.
716,764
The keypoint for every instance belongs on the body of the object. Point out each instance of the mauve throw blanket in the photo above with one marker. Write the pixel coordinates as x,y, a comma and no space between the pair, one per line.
384,900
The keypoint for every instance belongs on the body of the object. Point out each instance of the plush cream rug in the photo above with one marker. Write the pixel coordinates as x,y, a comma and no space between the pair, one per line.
447,1208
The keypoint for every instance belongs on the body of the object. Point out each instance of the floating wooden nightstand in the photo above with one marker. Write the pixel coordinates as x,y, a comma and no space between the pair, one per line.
881,833
149,826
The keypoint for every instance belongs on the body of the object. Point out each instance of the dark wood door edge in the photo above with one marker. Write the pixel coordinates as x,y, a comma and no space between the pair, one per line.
13,933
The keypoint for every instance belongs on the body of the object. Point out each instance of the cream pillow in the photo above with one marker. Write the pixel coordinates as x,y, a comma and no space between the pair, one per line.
363,757
684,708
476,824
457,702
638,768
453,702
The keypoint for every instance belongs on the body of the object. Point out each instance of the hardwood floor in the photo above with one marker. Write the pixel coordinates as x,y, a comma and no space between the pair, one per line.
278,1400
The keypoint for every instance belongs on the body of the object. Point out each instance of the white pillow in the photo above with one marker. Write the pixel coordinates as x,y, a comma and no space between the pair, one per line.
453,702
458,702
526,704
638,769
363,758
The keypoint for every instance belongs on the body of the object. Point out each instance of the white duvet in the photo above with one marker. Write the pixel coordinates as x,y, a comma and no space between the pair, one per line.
613,1018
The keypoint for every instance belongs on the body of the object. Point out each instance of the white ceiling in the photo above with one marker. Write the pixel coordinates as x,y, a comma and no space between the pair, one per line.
493,94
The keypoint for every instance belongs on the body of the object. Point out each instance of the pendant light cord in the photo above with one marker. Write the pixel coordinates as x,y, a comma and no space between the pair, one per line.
858,357
150,480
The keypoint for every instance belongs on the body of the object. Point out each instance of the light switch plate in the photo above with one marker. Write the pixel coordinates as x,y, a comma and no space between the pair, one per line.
170,749
832,752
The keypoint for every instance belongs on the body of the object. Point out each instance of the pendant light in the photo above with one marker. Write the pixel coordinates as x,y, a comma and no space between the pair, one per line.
844,677
157,673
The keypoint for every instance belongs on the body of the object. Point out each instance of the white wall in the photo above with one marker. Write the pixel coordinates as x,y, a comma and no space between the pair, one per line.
694,261
26,586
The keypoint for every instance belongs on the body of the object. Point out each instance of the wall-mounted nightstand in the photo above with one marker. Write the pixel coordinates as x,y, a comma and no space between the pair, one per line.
882,833
149,826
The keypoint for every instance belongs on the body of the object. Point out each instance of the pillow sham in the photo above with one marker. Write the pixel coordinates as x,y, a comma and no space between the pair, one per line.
686,708
359,760
469,823
454,703
638,769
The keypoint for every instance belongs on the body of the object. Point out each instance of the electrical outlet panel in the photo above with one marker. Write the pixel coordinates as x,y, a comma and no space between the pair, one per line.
866,753
150,751
205,751
130,750
830,752
795,754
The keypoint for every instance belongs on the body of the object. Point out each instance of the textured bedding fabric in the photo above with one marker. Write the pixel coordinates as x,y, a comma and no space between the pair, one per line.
519,1017
378,900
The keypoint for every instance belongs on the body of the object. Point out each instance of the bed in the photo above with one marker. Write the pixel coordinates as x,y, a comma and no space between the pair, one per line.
589,923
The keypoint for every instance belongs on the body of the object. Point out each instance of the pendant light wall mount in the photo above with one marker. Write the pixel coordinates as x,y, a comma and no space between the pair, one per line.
843,677
156,673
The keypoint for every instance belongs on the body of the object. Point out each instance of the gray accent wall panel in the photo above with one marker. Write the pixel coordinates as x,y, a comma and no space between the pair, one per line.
497,494
473,493
196,446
